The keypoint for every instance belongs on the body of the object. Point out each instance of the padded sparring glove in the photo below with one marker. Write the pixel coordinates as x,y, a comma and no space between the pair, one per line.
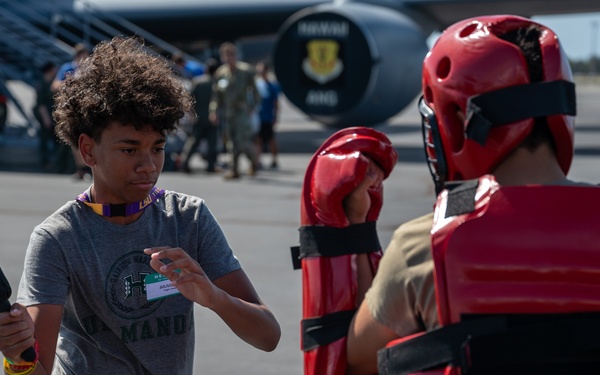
337,168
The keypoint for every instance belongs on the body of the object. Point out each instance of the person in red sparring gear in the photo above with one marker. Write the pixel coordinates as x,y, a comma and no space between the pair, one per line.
497,98
335,233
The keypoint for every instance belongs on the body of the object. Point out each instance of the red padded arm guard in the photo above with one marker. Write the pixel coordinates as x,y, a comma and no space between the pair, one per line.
329,282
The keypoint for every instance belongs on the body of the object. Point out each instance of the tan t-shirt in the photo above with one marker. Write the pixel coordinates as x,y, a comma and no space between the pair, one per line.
402,296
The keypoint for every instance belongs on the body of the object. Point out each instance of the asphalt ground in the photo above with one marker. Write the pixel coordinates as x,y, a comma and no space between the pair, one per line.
261,216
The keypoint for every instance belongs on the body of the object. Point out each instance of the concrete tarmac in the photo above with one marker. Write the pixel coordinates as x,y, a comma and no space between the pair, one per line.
261,216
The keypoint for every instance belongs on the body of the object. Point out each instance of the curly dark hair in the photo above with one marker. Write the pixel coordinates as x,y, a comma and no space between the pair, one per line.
120,82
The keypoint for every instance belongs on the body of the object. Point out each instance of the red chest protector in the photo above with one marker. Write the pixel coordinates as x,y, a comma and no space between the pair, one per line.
517,273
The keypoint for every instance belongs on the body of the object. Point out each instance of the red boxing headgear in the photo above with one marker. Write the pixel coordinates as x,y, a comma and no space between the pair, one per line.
470,58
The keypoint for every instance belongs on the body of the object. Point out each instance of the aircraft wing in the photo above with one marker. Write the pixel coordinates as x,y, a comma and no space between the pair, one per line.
187,21
447,12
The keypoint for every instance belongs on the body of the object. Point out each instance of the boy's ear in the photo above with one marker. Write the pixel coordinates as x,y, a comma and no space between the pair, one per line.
86,150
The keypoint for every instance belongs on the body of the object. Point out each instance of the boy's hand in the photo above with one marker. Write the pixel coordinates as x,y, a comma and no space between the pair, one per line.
17,332
185,274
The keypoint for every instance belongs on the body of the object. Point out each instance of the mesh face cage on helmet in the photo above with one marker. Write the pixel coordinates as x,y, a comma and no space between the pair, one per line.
432,141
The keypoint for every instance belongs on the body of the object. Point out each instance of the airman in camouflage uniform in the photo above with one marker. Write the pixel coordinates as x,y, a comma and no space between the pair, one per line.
236,97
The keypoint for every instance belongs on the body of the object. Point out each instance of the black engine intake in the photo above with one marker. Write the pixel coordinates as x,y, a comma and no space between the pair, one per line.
350,65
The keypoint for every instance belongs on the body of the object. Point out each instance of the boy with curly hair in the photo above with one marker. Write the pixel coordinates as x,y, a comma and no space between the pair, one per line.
111,278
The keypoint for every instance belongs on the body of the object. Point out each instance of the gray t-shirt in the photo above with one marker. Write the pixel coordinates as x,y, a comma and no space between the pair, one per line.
96,270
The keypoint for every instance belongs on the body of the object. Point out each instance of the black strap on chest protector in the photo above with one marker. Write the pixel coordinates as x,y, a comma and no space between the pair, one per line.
502,344
461,197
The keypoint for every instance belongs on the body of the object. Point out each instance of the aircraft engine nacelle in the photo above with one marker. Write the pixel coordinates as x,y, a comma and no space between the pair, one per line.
350,65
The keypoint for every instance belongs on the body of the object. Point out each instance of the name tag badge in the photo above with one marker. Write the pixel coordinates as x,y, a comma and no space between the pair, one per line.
158,286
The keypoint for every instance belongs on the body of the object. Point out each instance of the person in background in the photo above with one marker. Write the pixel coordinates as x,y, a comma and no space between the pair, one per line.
42,111
269,109
81,52
234,93
112,277
202,128
187,69
3,106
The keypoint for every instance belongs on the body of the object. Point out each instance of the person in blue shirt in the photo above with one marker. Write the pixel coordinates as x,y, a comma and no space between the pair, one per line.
80,53
269,91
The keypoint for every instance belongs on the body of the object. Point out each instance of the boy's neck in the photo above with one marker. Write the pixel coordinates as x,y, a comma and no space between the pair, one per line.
525,167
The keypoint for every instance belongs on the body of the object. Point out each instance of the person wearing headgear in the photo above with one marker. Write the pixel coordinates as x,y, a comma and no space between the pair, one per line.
498,98
111,279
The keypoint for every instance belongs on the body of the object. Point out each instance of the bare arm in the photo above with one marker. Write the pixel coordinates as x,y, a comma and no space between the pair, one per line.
276,105
47,320
231,296
56,84
365,337
243,311
254,92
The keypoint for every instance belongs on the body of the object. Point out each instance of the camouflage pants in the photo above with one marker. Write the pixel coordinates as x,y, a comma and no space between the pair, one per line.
240,139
